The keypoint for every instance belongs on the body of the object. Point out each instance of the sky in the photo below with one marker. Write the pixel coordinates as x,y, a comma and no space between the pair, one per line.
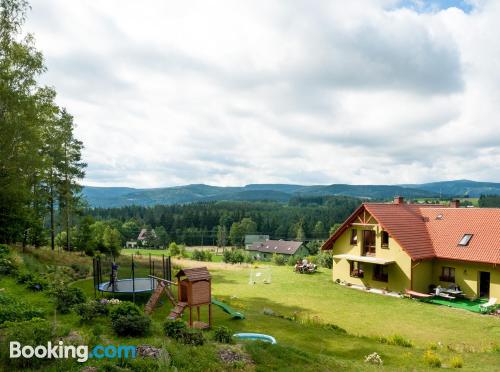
231,92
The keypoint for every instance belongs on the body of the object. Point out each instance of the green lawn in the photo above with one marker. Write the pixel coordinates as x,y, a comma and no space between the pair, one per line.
302,305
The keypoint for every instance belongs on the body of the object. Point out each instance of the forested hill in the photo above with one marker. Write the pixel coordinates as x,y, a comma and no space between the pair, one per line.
198,223
120,196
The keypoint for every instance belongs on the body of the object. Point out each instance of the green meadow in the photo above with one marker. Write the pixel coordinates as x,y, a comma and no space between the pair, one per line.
318,324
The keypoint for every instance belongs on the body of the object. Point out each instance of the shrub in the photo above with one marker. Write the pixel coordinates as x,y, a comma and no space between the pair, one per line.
90,310
174,249
8,266
177,330
457,362
201,255
30,332
223,335
249,258
325,259
279,259
208,256
174,328
431,359
238,256
192,337
227,256
37,283
125,308
234,256
131,325
24,277
81,271
13,310
66,297
4,250
396,340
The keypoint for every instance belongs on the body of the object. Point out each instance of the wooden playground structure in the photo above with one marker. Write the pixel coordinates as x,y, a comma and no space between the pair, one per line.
194,290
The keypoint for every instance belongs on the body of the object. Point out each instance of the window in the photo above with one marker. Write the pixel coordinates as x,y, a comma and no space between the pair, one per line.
356,269
354,237
380,273
447,274
385,239
465,240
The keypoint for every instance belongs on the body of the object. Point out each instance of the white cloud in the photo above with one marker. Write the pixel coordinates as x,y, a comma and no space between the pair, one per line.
229,93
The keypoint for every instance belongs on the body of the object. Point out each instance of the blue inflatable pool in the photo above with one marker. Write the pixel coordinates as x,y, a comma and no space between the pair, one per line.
255,336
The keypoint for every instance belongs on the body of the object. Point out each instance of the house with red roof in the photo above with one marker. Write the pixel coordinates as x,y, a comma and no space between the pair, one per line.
399,246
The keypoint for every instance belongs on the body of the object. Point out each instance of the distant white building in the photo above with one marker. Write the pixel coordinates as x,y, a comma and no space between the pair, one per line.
131,244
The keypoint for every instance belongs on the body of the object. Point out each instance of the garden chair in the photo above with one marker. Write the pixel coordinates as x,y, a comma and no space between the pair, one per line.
488,306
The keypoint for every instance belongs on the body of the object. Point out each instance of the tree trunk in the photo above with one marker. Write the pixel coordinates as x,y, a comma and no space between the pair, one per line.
52,227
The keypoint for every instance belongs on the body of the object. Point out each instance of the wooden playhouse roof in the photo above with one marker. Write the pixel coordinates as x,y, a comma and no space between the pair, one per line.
194,274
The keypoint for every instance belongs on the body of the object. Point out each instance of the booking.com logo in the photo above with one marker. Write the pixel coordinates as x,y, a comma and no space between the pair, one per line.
61,351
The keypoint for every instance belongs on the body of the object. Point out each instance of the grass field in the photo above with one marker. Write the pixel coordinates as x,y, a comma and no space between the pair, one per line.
305,308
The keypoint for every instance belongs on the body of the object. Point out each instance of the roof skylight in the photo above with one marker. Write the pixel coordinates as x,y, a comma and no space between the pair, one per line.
465,240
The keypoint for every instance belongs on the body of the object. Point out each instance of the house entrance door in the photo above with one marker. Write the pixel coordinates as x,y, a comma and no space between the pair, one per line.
484,284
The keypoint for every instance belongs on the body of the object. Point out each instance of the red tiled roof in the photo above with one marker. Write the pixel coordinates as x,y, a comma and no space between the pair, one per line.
421,235
404,224
447,231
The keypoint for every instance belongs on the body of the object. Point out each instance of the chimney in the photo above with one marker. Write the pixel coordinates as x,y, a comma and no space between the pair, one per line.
399,200
455,203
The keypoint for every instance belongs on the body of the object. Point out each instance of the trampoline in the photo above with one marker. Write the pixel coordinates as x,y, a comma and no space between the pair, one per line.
107,267
137,285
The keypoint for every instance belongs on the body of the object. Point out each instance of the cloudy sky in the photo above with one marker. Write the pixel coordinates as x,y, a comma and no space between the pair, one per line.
312,92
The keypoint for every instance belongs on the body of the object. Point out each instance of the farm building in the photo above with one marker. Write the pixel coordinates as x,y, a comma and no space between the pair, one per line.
250,239
265,250
399,246
145,237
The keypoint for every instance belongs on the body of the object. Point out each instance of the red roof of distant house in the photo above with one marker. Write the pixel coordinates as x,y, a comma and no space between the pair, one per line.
427,231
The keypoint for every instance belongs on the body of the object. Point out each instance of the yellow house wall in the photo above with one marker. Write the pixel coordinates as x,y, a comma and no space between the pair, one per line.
467,276
399,272
422,275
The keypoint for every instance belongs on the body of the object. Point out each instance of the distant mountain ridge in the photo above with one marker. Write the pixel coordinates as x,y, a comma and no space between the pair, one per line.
122,196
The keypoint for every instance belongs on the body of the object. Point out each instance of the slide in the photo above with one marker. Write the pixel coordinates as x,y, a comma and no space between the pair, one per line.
228,309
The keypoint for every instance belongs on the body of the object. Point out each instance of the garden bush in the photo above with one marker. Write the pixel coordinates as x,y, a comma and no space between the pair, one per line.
233,256
457,362
201,255
4,250
14,310
90,310
81,271
249,258
66,297
325,259
279,259
125,308
32,281
431,359
131,325
24,277
8,266
177,330
174,328
223,335
193,337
